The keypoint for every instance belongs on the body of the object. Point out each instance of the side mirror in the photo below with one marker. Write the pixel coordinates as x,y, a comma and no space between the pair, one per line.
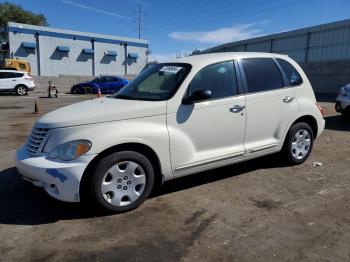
197,96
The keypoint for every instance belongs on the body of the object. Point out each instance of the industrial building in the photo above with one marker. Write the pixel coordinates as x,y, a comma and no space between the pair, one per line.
55,52
323,51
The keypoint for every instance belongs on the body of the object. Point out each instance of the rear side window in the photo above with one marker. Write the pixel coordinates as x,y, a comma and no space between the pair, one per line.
292,74
114,79
10,75
219,78
262,74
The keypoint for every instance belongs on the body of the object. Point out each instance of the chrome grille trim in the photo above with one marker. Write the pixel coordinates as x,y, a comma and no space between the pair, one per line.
36,140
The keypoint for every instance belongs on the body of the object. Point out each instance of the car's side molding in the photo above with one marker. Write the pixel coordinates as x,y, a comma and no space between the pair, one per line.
207,164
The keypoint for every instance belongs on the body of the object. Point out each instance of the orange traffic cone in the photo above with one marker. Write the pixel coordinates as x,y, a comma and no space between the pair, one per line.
98,93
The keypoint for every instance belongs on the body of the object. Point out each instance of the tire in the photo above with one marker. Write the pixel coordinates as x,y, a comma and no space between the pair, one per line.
337,107
346,113
298,144
75,91
21,90
122,181
88,90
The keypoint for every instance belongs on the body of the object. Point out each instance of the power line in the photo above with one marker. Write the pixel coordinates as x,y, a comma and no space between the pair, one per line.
196,10
219,13
222,17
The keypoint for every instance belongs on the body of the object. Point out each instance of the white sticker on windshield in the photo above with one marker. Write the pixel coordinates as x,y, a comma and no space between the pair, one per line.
170,69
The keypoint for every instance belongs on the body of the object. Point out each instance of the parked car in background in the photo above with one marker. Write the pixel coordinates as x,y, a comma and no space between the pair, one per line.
106,84
16,81
174,119
342,103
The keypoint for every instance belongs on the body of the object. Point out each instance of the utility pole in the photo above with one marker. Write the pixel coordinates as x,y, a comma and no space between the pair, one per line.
139,20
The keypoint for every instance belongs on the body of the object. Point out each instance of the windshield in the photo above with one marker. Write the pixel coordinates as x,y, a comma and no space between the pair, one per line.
99,79
157,83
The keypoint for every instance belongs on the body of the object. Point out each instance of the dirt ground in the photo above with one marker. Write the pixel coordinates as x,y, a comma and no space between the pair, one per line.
254,211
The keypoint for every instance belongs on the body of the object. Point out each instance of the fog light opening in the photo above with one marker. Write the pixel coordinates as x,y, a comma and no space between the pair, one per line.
54,189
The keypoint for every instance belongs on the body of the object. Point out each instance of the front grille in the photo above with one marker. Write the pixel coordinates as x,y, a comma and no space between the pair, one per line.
36,140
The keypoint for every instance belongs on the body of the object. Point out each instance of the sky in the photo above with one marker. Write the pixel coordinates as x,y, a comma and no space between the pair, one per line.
179,27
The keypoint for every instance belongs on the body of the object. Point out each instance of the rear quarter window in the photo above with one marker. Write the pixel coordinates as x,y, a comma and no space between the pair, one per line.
292,74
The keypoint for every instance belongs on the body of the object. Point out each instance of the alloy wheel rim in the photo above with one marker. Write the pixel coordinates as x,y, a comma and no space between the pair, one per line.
301,144
21,90
123,183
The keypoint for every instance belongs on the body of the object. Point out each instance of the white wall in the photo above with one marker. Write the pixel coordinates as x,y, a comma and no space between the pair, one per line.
109,65
74,62
18,51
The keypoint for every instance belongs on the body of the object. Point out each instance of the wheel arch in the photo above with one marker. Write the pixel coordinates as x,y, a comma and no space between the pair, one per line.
310,120
21,84
137,147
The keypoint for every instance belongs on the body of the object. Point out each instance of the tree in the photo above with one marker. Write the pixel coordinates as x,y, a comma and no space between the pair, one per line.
15,13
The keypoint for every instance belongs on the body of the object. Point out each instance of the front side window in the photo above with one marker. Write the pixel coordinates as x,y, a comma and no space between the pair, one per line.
262,74
157,83
292,74
219,78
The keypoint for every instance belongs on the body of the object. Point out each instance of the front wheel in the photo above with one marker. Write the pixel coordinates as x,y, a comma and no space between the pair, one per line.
122,181
298,143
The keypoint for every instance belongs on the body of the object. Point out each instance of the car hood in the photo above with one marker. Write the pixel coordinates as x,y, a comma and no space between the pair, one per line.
100,110
347,88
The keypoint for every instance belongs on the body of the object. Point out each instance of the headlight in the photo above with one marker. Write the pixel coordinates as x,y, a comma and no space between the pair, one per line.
344,92
71,150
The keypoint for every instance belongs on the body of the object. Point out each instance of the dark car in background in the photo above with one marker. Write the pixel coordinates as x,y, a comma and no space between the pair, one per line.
106,84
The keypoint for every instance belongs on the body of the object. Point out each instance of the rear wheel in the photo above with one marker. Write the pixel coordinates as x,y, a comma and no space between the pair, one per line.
346,112
122,181
338,107
88,90
21,90
298,143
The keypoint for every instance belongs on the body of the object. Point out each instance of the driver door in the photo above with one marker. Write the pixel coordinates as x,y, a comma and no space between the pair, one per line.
210,133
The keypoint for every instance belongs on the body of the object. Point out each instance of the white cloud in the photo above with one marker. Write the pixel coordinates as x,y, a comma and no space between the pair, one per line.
221,35
161,57
96,10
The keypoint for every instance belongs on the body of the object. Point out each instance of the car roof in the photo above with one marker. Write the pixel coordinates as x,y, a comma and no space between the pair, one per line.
12,71
108,75
205,59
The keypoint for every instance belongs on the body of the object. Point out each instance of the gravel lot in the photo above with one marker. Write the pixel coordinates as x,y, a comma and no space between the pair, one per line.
253,211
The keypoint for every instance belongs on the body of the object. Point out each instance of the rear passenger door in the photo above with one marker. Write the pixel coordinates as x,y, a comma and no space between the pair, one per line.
270,105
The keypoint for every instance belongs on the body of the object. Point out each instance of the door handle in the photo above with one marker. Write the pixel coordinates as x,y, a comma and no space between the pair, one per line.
13,79
236,109
288,99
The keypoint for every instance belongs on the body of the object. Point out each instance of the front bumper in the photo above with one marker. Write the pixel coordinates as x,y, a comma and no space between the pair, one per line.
61,180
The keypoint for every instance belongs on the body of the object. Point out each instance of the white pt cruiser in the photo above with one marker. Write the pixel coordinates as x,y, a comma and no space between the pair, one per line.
174,119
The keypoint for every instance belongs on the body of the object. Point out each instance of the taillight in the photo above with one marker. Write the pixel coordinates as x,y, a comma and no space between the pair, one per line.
320,108
29,78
